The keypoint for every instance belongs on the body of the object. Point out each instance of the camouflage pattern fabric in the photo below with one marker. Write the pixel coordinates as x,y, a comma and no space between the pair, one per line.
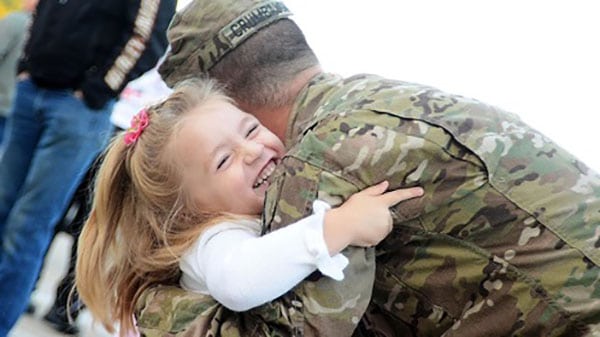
504,242
172,311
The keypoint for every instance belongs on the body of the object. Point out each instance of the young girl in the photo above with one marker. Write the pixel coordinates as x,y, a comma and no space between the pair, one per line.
177,201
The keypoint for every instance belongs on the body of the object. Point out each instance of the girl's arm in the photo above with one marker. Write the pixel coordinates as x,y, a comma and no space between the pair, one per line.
242,270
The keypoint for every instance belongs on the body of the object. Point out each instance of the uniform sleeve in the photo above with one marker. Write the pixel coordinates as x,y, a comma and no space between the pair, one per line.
237,265
142,46
323,307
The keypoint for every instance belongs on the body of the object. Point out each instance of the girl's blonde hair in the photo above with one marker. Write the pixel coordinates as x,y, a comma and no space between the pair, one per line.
141,222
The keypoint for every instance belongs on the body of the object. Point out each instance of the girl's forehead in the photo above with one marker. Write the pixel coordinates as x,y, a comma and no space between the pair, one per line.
220,115
208,128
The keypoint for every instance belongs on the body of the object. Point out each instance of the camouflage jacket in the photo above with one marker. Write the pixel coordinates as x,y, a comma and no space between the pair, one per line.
502,244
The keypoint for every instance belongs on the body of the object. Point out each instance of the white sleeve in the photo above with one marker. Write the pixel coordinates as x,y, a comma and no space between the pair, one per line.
242,270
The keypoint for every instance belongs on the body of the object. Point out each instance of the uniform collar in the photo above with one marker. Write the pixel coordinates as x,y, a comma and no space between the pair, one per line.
305,111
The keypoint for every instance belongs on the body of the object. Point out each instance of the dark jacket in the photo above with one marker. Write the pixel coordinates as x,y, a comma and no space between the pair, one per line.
96,46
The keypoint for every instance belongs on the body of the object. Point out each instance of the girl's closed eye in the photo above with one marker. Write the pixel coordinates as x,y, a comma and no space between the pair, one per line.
252,130
222,162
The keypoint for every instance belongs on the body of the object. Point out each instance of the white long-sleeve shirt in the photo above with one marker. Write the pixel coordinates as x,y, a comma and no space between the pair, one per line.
242,270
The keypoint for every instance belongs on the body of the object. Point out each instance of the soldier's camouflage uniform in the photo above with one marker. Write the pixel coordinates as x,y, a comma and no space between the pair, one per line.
503,243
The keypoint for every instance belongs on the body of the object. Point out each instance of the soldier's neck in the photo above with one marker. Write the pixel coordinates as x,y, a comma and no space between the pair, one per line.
277,119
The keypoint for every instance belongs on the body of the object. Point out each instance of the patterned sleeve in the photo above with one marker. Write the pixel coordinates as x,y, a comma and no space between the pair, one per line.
143,44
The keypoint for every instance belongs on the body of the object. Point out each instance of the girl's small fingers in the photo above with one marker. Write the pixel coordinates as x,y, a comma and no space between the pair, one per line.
376,189
394,197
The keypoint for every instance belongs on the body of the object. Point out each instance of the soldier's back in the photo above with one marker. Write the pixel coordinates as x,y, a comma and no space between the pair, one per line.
504,241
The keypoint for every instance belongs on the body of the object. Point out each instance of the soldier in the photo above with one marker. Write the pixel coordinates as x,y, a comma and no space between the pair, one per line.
502,244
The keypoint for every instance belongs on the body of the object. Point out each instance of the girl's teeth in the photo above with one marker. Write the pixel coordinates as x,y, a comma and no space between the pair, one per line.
266,173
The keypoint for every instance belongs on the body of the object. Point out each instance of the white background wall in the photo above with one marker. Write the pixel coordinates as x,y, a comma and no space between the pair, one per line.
539,59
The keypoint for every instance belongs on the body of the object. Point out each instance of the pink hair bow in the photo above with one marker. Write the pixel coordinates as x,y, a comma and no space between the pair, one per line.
138,123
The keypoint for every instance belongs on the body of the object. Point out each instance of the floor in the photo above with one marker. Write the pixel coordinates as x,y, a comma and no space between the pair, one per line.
54,268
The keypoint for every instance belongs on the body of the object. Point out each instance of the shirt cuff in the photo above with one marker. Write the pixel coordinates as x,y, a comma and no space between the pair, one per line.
332,266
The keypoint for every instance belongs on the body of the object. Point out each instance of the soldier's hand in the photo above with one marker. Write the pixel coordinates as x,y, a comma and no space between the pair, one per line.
364,219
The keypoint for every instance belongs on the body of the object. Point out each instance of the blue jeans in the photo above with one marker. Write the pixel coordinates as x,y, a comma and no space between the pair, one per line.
51,139
2,123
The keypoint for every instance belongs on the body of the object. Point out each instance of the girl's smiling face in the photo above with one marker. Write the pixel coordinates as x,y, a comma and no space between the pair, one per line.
227,156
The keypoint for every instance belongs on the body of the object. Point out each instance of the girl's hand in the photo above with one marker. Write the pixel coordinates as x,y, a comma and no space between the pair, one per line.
364,219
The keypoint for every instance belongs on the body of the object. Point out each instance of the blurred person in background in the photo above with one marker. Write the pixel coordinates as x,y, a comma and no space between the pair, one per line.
13,29
143,91
78,58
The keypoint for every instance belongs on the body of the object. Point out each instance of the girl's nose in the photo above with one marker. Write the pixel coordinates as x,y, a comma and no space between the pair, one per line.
252,151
